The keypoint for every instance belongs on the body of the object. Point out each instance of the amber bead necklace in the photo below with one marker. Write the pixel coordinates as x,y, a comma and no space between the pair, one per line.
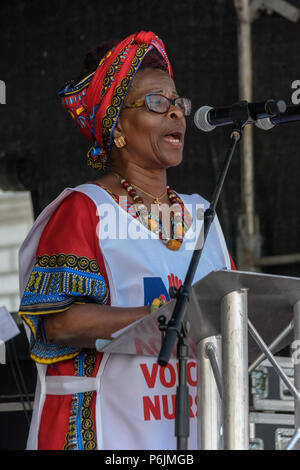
147,219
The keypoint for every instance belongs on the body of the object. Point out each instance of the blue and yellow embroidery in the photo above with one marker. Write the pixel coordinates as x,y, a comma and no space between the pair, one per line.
81,433
56,283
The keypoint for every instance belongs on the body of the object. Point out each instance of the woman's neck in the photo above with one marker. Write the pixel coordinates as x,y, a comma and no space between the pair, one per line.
152,181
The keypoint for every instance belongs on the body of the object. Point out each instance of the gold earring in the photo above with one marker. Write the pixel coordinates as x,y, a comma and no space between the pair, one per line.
120,142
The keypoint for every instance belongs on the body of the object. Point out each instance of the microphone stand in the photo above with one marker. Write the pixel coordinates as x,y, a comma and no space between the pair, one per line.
175,327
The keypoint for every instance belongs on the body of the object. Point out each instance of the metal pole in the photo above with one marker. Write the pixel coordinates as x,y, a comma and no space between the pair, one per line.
245,93
211,353
294,441
209,400
277,341
234,327
262,345
296,361
249,241
278,260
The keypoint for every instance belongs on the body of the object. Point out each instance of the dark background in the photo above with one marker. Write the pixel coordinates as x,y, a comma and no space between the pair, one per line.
43,45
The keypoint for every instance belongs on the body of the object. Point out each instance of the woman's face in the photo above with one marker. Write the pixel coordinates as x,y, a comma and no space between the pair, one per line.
152,140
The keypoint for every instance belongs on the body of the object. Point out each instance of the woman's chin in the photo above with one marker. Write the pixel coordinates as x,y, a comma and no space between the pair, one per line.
173,159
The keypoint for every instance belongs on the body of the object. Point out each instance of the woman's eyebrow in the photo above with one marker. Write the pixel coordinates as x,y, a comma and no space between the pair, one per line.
174,92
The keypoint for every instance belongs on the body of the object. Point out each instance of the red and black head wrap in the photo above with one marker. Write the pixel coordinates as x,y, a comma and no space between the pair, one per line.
96,101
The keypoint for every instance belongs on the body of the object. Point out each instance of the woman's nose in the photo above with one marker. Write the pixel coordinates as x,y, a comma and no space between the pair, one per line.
175,112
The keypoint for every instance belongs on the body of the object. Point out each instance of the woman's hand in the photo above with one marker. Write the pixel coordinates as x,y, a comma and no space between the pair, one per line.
157,303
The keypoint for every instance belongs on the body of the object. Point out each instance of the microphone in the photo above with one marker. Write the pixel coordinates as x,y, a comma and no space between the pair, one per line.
292,114
207,118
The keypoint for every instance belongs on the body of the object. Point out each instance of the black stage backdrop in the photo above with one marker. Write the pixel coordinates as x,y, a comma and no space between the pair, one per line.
43,45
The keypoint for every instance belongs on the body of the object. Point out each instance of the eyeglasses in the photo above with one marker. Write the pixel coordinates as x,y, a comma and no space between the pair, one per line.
161,104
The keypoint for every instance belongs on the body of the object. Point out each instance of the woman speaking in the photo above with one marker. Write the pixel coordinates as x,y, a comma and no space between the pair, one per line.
105,253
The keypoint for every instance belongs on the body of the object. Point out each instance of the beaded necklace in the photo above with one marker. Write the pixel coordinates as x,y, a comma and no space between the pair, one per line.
151,220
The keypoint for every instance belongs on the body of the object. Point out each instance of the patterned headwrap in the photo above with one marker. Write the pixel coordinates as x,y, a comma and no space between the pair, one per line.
96,101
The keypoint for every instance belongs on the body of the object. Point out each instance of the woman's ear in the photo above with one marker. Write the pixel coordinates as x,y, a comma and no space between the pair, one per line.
118,130
118,135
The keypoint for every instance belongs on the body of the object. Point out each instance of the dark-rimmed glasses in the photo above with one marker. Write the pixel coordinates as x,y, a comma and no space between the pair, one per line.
161,104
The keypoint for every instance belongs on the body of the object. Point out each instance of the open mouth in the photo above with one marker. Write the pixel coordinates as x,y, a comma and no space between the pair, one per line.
174,138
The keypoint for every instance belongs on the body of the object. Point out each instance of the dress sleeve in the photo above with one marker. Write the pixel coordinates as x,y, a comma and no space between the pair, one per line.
69,268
